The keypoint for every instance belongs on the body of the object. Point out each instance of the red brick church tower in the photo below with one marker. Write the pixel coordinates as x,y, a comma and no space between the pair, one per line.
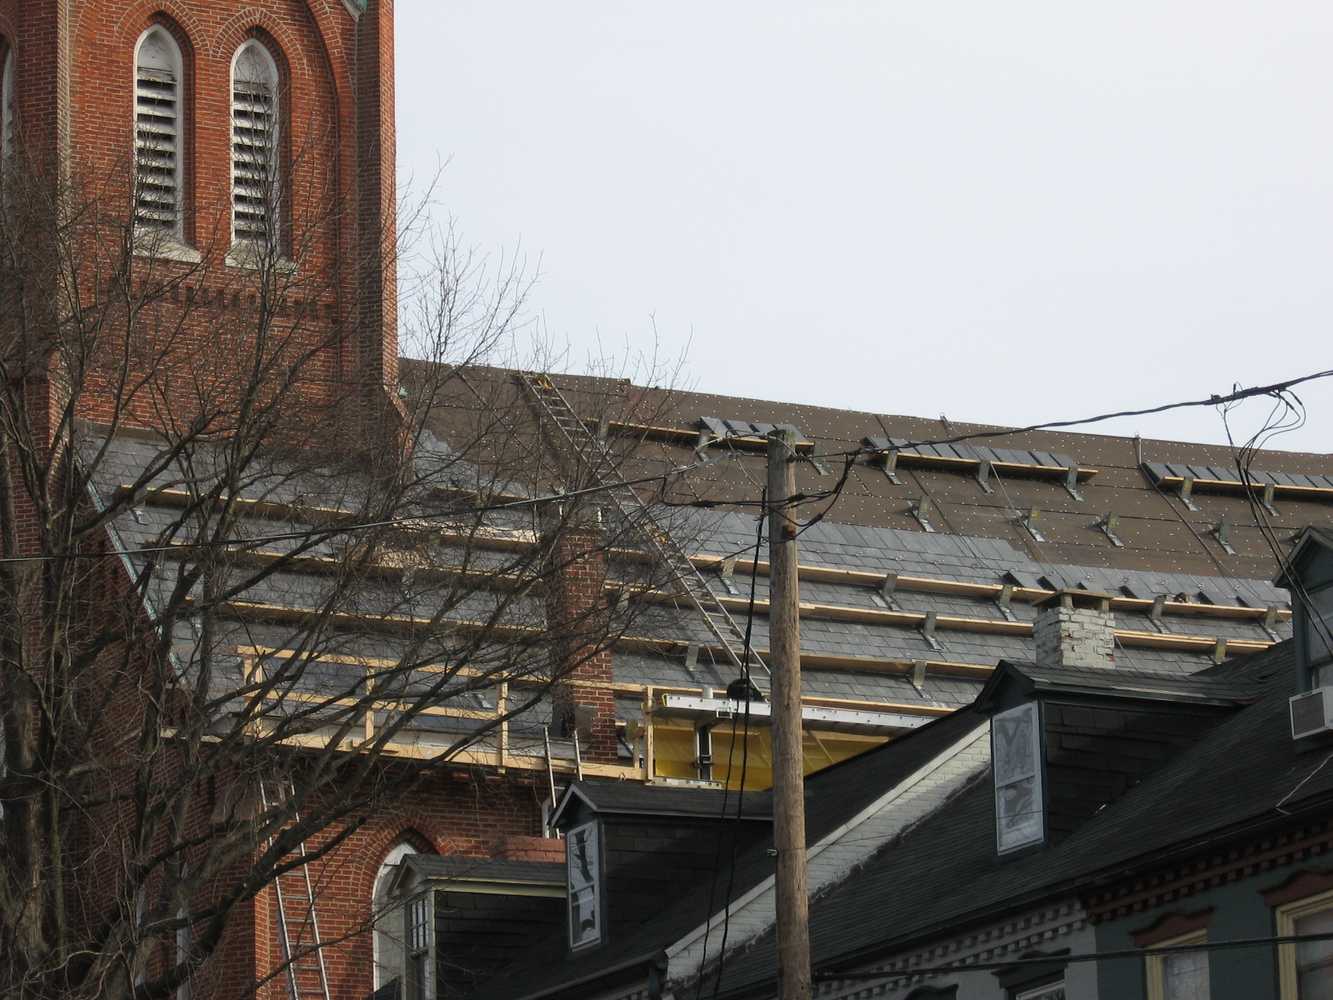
227,130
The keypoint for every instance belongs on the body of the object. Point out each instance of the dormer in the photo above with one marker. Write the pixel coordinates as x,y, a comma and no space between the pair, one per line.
1308,575
627,848
1066,741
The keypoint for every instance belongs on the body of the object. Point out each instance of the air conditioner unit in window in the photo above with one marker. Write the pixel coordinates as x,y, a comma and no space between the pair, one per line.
1312,712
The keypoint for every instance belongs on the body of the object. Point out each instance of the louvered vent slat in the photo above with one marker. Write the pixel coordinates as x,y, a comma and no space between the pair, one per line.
157,150
254,147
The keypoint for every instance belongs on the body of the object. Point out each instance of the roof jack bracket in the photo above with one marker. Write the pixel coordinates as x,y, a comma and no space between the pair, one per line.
1029,521
1071,483
1110,525
1270,622
1006,596
891,466
983,476
1158,609
1267,499
1220,649
603,428
692,657
884,596
726,570
1222,532
1186,492
928,630
921,511
820,468
705,439
919,675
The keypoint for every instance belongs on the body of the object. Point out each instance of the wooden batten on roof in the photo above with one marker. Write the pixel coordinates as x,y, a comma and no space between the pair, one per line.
519,540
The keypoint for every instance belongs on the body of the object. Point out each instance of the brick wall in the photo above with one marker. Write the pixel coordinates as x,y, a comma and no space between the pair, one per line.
74,101
577,614
1074,636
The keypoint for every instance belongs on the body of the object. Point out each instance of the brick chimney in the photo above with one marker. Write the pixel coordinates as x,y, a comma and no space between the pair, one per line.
578,616
1075,628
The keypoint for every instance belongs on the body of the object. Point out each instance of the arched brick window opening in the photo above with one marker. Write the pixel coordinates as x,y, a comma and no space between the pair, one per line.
7,103
257,180
159,134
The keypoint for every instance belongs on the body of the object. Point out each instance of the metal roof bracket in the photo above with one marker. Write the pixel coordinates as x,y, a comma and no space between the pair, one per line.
1004,599
928,630
1071,483
1029,521
692,657
705,439
603,428
1186,492
886,590
1222,532
1267,500
983,475
1220,649
891,466
919,675
1270,622
726,571
1110,527
921,511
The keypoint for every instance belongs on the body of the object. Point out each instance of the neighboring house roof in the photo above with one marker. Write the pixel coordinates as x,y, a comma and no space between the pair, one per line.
619,798
836,798
944,875
484,870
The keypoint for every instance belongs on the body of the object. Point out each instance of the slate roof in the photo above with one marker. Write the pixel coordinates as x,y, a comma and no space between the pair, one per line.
434,866
621,798
1168,550
914,885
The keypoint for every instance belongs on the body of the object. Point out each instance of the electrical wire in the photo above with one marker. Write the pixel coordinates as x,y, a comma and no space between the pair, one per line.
740,793
745,765
340,529
1235,396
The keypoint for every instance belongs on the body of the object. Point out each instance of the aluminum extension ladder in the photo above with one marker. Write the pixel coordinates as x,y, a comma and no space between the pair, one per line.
307,975
593,454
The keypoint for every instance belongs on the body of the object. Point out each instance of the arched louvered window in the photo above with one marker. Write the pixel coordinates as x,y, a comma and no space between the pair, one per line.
159,129
255,161
7,105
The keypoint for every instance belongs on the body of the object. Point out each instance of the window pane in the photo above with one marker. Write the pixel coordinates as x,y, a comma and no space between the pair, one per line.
1051,991
1319,624
1314,959
1185,976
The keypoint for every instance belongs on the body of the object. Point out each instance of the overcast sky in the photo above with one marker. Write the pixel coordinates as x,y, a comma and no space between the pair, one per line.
1001,212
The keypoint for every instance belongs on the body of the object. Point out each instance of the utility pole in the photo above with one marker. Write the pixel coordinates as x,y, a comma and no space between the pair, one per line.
784,644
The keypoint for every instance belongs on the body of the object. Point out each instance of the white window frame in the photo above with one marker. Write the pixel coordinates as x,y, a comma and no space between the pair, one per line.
245,246
596,883
385,908
1030,768
1044,992
1155,965
1287,915
176,231
426,899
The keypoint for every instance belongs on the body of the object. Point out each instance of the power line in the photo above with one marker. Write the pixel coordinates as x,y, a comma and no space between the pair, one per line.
1235,396
414,519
